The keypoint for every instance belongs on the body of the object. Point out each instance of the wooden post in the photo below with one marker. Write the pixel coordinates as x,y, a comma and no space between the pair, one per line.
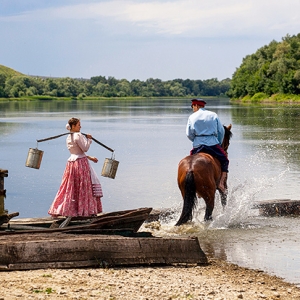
3,173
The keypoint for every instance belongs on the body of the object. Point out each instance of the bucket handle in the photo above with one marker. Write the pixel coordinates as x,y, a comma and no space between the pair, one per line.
57,136
113,155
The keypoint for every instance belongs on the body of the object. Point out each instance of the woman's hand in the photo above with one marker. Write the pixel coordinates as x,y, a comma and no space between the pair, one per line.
92,158
89,136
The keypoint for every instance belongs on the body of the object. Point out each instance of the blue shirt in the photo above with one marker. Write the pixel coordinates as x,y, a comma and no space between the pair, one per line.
205,128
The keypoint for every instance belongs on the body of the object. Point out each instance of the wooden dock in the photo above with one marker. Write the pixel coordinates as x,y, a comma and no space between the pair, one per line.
62,250
102,242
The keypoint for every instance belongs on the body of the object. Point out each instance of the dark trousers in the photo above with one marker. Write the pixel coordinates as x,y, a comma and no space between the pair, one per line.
215,151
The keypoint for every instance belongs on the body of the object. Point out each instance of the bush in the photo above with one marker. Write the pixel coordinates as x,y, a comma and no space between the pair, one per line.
259,96
81,96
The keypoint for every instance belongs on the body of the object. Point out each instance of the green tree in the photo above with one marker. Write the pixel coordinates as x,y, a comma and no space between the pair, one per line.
2,86
136,87
18,85
271,69
123,88
96,79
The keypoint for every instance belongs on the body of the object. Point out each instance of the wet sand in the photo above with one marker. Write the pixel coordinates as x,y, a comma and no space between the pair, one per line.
217,280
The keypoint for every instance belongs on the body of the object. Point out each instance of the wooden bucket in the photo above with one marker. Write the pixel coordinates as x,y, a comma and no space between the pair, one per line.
110,167
34,158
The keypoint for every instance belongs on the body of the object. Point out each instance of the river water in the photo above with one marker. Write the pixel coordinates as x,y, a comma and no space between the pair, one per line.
149,140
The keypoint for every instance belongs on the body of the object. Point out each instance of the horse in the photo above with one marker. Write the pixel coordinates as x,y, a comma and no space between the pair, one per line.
199,175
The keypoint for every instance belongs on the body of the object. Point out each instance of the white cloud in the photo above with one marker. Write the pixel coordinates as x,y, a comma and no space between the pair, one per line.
198,18
140,38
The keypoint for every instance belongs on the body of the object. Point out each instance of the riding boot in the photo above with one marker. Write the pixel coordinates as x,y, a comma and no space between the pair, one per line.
223,184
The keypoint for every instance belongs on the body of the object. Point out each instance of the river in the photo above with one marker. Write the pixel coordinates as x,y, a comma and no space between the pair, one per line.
149,140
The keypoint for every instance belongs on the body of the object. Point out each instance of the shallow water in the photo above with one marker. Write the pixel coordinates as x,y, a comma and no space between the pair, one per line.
245,238
149,140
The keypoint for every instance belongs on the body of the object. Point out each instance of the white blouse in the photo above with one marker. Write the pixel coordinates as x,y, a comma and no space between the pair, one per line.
77,144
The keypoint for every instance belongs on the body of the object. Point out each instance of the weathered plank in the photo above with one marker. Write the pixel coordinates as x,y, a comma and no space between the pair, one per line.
5,218
157,214
127,219
52,265
3,211
278,207
59,250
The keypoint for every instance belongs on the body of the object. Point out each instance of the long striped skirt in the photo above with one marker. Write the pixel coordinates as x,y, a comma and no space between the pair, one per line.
80,191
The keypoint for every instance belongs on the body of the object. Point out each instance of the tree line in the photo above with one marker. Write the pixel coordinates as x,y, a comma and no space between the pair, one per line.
100,86
272,69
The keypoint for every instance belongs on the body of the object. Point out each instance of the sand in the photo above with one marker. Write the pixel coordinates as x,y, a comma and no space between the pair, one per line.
217,280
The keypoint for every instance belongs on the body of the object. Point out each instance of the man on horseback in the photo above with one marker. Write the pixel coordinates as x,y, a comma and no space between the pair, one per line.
205,130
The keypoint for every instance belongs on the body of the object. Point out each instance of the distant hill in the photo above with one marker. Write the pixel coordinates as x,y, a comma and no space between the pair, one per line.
8,72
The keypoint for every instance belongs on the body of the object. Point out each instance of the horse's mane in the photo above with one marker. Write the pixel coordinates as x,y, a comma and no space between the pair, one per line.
228,133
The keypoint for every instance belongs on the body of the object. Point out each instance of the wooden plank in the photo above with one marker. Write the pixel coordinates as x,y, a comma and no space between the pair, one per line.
53,265
130,222
6,217
60,249
278,207
156,214
130,219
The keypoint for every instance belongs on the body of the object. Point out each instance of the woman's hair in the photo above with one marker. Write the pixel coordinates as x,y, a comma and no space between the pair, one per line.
72,122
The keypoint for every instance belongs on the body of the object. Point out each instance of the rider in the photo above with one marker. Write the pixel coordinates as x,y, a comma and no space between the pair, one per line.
205,130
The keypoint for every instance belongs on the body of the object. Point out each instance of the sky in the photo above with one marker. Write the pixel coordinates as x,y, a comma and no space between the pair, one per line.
139,39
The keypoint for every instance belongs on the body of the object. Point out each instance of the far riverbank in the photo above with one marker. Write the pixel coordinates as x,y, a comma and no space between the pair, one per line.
49,98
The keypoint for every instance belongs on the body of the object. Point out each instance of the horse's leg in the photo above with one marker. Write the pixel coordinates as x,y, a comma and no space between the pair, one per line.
188,191
209,199
224,194
223,199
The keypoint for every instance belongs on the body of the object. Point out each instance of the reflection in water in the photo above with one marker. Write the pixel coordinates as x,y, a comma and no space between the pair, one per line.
149,139
276,128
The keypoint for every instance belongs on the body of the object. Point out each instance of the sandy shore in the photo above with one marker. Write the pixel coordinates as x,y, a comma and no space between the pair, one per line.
217,280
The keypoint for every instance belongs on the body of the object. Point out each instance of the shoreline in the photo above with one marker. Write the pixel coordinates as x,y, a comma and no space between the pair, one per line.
216,280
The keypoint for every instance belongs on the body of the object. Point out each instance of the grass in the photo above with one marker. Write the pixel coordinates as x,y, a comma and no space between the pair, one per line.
9,72
264,98
46,291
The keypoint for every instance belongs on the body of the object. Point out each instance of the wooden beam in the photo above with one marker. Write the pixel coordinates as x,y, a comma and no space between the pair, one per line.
278,207
58,250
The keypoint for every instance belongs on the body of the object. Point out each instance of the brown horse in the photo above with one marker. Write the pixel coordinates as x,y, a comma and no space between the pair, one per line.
199,175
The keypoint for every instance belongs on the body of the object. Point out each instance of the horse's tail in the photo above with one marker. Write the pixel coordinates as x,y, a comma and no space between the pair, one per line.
189,201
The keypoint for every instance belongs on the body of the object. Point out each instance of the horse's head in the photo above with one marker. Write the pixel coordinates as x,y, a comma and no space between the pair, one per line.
227,137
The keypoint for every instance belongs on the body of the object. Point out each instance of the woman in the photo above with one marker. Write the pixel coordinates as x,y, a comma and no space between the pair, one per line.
80,190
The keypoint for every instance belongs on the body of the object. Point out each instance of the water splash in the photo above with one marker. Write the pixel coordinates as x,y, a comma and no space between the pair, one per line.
239,212
241,201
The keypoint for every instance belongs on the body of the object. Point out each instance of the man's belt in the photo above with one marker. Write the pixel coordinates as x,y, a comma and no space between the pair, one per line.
214,134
